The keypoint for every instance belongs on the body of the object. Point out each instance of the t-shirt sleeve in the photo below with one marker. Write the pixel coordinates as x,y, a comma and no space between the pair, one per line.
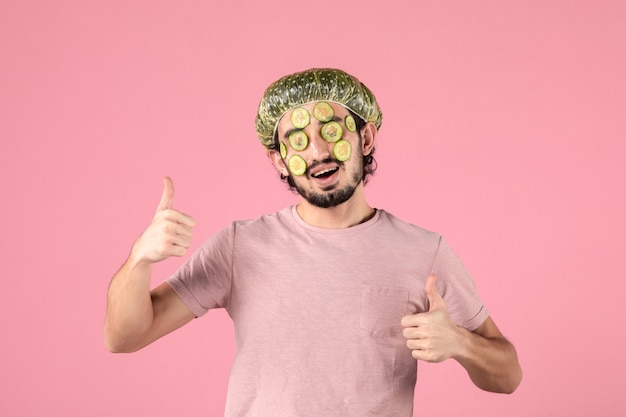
457,289
204,280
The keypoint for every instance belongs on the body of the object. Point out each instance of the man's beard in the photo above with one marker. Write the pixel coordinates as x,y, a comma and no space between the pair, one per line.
335,197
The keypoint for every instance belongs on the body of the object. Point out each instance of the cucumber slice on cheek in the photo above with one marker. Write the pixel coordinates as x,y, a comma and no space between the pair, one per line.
342,150
283,150
297,165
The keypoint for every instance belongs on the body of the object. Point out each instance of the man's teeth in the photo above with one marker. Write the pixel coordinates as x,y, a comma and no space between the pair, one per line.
324,172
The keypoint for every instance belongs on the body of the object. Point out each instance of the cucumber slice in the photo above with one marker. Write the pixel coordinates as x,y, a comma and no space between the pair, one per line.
300,118
350,123
283,150
342,150
332,131
323,112
297,165
298,140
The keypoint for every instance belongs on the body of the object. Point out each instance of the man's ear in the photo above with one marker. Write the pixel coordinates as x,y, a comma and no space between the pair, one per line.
368,135
277,161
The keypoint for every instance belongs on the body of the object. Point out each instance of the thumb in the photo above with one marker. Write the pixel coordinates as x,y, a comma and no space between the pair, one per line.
167,198
434,298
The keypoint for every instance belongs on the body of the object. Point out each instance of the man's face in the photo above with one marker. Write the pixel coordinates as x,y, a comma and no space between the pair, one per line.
321,152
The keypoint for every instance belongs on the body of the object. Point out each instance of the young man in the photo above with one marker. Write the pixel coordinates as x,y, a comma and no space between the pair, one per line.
333,301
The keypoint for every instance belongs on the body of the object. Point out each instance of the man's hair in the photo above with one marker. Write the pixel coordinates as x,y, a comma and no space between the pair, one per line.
369,163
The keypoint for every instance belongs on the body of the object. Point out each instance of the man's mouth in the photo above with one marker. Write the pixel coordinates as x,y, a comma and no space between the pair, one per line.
325,173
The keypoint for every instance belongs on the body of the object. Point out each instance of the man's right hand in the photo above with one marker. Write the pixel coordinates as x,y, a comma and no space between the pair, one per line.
135,315
168,235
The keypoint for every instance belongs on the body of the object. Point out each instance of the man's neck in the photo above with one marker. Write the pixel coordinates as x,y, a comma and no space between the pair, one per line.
352,212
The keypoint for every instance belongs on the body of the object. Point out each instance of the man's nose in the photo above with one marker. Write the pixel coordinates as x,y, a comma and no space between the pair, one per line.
319,147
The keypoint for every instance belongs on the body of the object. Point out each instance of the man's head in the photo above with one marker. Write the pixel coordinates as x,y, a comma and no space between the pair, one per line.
320,118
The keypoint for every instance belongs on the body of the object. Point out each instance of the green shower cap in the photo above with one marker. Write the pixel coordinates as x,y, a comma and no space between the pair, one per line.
316,84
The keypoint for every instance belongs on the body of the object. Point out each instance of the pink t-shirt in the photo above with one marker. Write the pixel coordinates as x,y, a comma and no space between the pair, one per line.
317,311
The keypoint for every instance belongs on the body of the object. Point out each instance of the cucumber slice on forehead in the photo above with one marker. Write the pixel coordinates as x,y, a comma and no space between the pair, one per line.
332,131
350,123
298,140
342,150
300,118
323,112
296,165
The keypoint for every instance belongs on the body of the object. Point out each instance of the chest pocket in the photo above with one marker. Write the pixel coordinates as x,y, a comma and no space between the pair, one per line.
382,308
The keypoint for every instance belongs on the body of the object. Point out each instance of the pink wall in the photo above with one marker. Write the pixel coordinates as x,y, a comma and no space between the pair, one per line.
504,130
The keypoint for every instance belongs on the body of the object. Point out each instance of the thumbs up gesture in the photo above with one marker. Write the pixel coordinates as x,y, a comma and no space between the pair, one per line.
169,233
432,336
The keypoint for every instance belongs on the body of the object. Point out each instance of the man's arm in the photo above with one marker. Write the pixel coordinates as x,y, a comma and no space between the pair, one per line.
490,359
136,316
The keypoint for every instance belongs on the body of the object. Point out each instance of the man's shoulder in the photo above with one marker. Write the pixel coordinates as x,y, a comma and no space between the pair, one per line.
402,226
282,217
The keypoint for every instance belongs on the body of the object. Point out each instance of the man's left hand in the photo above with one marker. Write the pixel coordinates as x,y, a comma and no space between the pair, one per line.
432,336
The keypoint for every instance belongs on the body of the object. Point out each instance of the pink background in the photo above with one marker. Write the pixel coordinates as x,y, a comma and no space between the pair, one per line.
504,130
